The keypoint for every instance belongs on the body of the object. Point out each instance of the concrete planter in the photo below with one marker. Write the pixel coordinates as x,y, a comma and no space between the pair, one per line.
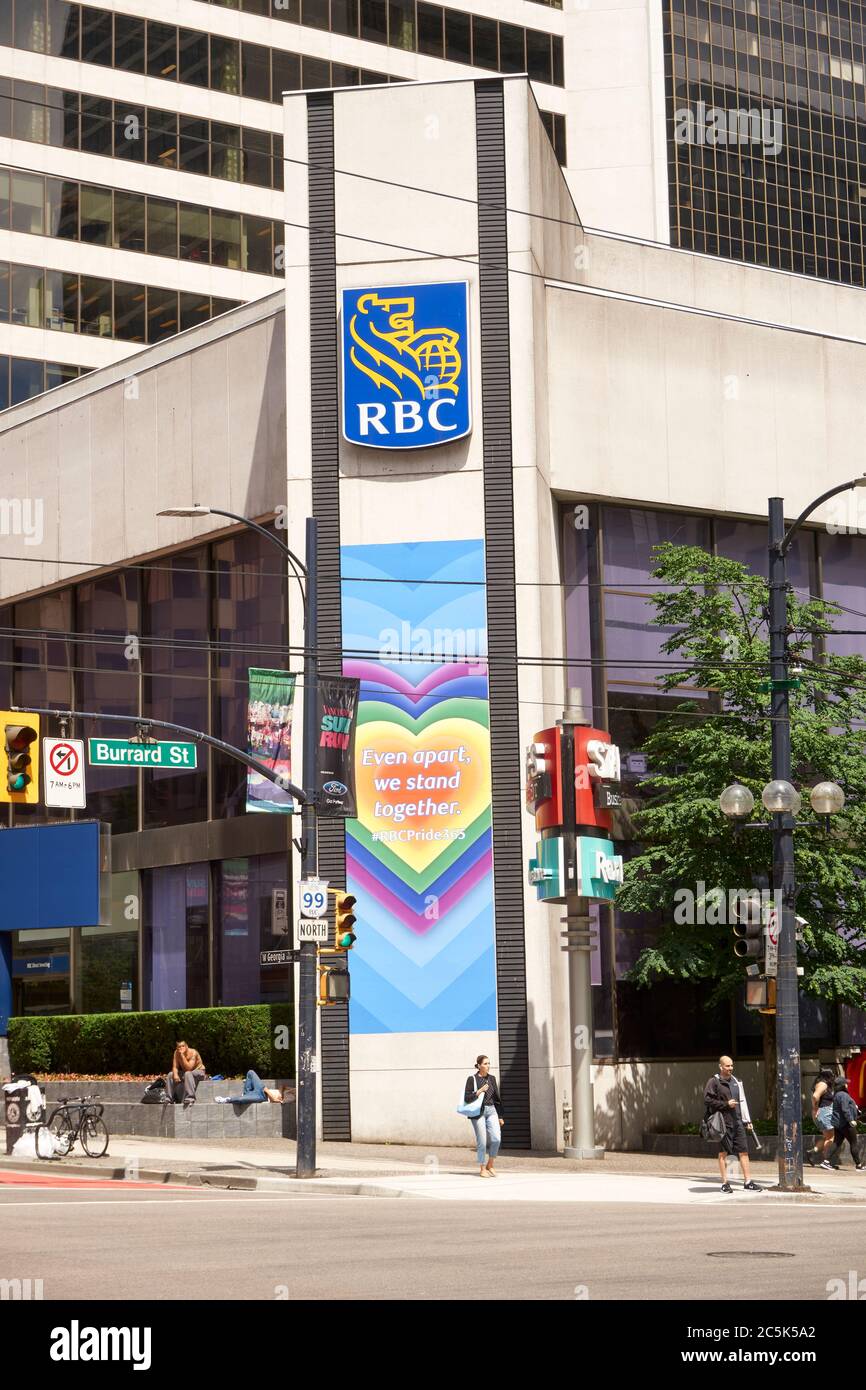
693,1146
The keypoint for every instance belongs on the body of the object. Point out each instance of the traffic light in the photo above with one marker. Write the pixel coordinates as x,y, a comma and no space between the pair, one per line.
19,781
749,925
344,920
333,985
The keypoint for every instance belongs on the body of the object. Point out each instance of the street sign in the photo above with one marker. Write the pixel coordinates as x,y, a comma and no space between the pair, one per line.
280,911
122,752
771,951
313,929
64,772
275,957
313,898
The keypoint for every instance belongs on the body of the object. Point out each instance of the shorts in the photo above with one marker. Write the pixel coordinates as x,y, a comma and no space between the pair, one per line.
735,1140
824,1118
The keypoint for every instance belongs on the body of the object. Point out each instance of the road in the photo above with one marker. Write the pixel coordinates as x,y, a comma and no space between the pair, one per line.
132,1243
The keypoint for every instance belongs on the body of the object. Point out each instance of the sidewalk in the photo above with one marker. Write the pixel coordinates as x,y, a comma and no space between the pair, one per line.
444,1174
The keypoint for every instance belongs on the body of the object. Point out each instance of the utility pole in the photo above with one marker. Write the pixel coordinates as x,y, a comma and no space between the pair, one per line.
789,1101
308,985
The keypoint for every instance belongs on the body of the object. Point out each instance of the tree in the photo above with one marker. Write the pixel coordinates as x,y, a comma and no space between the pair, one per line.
718,609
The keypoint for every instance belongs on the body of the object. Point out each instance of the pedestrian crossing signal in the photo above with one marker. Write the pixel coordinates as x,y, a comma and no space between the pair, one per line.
19,783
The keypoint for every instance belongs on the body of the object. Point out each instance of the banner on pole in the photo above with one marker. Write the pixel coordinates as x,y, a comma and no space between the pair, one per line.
337,711
269,738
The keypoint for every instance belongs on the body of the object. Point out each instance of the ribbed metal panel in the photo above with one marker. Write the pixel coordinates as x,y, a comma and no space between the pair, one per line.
502,613
336,1112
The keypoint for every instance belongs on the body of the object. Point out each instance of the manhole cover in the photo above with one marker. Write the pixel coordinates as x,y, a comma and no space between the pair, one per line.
750,1254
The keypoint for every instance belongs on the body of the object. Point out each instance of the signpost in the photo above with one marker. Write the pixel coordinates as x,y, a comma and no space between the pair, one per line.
123,752
313,929
64,772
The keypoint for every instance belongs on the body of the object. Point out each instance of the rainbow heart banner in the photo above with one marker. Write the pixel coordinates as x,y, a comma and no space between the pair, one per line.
419,855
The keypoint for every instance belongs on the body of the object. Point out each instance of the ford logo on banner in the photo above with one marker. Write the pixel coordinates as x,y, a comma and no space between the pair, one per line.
406,365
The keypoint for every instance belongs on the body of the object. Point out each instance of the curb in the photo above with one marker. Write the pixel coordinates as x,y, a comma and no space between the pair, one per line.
225,1181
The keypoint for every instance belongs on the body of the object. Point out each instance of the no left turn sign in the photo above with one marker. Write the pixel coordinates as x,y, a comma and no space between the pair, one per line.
64,772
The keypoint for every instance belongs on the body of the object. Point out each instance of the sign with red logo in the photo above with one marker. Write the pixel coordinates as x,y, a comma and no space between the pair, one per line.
64,772
596,777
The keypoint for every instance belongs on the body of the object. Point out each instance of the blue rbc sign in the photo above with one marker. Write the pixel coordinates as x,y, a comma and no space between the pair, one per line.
406,365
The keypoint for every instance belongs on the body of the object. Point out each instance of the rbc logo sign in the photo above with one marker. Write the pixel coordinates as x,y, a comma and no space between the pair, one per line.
406,365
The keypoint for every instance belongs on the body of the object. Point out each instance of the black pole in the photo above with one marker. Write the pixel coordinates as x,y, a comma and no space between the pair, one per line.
790,1109
308,988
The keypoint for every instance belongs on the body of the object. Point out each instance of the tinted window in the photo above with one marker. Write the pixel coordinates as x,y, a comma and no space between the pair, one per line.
61,208
161,50
96,37
374,21
226,151
258,253
257,158
4,292
95,306
54,129
315,14
538,57
28,379
30,25
5,106
315,73
430,29
61,301
194,233
96,215
71,121
162,138
225,64
130,132
344,17
161,314
96,125
287,73
458,47
226,239
256,70
129,221
193,146
130,323
29,116
57,374
194,308
401,24
4,380
485,50
192,55
161,227
28,200
512,48
128,43
4,198
63,29
26,297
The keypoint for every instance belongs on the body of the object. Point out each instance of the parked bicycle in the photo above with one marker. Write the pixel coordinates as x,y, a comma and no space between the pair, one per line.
75,1117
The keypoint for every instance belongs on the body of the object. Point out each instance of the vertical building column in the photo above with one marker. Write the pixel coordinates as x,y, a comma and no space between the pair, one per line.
508,868
325,466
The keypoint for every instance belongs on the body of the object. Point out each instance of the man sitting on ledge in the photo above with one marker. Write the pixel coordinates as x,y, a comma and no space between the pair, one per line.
187,1070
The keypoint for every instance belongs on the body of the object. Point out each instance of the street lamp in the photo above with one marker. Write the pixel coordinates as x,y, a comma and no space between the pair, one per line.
305,573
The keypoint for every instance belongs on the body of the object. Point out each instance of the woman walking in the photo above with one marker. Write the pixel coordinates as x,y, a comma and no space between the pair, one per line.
822,1114
488,1124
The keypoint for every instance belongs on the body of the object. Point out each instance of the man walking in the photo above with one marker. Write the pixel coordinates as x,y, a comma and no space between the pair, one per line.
724,1093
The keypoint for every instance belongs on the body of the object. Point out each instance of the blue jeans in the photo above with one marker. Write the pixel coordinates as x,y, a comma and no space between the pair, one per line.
253,1090
486,1126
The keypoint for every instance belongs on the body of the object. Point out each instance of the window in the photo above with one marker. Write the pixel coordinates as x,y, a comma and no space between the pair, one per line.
485,50
256,71
96,125
161,314
4,379
161,50
71,121
129,46
162,138
30,25
287,73
63,29
58,373
161,227
257,157
431,32
4,292
4,199
315,14
96,215
458,45
194,233
29,116
315,73
28,203
54,128
5,106
226,239
225,64
61,301
512,48
129,221
96,306
344,17
223,306
129,312
539,63
96,36
193,57
194,308
26,297
130,132
401,24
374,21
194,145
225,151
258,255
28,379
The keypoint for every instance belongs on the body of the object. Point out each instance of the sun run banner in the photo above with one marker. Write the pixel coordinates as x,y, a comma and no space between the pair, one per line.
269,737
419,854
337,715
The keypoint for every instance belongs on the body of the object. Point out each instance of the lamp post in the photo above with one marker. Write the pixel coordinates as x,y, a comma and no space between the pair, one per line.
305,573
782,801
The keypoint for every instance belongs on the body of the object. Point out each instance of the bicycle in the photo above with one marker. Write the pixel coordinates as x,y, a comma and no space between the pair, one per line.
75,1117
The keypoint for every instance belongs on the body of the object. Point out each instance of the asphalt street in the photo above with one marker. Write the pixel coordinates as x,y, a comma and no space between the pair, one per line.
135,1243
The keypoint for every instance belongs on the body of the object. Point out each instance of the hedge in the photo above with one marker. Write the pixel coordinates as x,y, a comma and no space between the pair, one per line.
231,1041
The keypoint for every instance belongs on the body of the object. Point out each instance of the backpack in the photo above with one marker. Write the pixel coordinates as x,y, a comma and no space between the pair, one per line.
154,1092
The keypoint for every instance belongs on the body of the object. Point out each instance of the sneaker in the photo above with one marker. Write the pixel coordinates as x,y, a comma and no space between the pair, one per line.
826,1164
751,1186
726,1187
221,1100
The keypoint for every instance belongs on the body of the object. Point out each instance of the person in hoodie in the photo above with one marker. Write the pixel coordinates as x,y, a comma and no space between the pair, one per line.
725,1093
844,1125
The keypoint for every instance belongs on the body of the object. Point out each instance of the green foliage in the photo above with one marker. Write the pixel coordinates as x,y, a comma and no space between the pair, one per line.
230,1040
720,644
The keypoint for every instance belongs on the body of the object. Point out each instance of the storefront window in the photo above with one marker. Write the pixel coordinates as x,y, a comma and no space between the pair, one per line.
176,915
109,955
246,927
41,972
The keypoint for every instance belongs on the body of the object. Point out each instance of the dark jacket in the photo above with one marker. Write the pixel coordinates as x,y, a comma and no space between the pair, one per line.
491,1097
845,1111
717,1094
